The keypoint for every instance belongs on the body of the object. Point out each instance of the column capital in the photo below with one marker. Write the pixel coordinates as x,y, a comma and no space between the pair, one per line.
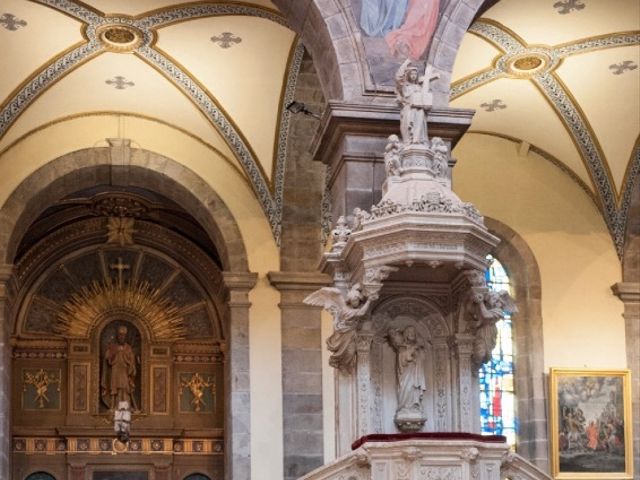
628,292
240,280
305,281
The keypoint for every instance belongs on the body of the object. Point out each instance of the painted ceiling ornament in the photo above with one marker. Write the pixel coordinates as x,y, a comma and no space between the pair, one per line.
226,40
346,311
493,105
11,22
625,66
567,6
120,83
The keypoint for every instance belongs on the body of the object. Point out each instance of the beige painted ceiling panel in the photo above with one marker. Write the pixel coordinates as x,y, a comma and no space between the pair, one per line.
246,78
602,95
543,24
528,117
474,54
27,48
84,91
138,7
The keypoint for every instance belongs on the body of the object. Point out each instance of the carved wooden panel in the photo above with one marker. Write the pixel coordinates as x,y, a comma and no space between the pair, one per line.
159,390
79,392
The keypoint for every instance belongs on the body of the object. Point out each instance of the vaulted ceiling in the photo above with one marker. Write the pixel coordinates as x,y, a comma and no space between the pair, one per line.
561,78
217,71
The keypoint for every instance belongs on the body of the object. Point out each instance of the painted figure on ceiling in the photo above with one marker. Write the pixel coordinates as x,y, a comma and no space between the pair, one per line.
406,25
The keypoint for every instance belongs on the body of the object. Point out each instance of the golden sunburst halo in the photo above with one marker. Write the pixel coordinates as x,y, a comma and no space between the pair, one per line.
79,314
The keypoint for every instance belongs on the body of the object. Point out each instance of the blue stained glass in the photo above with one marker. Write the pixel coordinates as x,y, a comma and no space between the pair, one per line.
497,395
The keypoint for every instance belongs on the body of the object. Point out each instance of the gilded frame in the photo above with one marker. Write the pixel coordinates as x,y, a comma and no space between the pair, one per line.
585,428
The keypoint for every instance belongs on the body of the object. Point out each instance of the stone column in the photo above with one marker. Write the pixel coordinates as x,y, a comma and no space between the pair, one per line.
5,373
364,383
352,138
237,387
465,388
629,293
301,371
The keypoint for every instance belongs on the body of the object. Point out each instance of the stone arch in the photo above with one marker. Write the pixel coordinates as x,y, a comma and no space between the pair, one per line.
327,33
88,167
521,265
329,36
455,18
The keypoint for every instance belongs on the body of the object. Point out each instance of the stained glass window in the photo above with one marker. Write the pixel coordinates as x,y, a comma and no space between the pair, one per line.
497,396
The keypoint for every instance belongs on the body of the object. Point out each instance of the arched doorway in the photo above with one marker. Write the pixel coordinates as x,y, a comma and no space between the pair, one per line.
98,260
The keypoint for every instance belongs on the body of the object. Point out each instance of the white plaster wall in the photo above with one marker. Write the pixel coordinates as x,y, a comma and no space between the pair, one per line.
582,320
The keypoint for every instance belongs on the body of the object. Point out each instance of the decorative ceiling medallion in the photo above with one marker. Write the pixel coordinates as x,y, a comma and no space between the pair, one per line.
119,38
527,63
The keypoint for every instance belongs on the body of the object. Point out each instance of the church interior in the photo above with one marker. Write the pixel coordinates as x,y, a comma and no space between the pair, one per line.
319,239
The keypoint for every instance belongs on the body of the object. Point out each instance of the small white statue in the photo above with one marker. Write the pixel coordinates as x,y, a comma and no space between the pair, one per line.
392,156
345,312
415,99
411,378
122,421
340,234
440,157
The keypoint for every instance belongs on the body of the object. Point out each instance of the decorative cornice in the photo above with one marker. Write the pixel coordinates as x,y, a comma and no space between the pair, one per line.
146,24
299,280
567,109
628,292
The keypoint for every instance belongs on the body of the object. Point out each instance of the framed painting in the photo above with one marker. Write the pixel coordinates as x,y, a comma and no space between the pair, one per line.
590,424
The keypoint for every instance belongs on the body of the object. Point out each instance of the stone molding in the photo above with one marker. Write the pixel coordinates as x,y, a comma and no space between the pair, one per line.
628,292
342,118
6,274
304,281
429,459
238,286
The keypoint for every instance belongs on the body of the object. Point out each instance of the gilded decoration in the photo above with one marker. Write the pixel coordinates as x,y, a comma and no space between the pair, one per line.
78,314
197,393
120,38
38,392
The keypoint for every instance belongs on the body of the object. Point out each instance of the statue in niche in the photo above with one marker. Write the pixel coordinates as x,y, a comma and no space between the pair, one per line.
415,99
411,378
119,379
346,312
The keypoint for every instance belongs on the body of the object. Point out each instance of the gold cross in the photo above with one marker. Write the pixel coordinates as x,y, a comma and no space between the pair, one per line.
120,267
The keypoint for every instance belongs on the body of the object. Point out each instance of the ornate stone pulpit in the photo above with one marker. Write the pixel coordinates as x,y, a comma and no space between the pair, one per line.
413,317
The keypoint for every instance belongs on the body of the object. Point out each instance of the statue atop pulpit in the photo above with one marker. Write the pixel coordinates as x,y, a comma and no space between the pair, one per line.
415,99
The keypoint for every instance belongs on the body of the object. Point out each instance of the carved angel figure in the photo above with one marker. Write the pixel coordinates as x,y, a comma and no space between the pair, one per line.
415,99
486,310
340,233
360,217
392,156
440,156
345,311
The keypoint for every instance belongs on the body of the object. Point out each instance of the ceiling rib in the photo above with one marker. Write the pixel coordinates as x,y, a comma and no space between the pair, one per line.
568,110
